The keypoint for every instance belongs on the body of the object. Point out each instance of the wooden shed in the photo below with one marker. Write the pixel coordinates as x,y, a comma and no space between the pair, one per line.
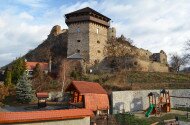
90,94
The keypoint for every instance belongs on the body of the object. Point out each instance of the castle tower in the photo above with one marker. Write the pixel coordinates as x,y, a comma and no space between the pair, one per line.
87,34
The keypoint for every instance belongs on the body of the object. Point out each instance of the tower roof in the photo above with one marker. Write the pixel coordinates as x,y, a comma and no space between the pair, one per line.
85,15
86,10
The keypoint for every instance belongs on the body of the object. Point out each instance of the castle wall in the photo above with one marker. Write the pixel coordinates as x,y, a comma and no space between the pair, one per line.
111,33
143,54
97,42
76,32
148,66
163,58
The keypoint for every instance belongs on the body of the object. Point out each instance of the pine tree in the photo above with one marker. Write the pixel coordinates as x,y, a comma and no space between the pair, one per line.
18,68
24,92
8,77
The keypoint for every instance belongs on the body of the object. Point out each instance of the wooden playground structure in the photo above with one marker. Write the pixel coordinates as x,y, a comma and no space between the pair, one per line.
158,103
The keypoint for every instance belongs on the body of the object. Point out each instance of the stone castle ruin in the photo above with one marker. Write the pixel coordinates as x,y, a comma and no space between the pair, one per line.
89,32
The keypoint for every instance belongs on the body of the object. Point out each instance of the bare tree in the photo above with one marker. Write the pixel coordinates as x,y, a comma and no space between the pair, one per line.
177,62
118,50
64,67
187,48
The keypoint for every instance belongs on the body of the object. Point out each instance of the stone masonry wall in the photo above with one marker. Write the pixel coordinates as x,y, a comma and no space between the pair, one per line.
130,101
78,31
147,66
97,41
93,38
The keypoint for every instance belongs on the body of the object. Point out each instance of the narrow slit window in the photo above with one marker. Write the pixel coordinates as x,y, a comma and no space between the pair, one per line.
97,30
78,51
78,30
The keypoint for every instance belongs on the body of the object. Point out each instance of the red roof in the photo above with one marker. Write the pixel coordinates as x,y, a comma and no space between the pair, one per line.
32,65
17,117
95,96
96,101
87,87
42,95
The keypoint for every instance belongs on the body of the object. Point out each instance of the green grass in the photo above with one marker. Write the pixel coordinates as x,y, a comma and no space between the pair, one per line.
157,77
127,119
182,109
140,80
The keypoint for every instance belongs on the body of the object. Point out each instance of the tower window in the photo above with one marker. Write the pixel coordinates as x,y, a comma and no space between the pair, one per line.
97,30
78,30
99,51
98,41
78,51
78,41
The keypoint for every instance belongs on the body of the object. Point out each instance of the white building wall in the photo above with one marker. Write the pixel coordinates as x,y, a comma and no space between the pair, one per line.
83,121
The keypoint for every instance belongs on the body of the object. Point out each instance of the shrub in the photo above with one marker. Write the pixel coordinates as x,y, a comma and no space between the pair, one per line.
3,92
130,119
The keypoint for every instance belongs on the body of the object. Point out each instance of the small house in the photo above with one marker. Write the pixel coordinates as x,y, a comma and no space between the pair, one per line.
31,65
88,95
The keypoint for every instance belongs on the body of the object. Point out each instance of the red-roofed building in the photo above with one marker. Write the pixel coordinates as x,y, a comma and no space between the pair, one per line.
31,65
90,94
58,117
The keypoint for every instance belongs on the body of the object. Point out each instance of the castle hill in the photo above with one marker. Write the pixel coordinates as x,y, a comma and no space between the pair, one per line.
84,63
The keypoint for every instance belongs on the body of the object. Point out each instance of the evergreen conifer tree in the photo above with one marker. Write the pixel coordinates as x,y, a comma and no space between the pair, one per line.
8,77
24,92
18,68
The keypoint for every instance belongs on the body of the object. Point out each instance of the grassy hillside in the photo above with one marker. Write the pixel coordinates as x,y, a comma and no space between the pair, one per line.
140,80
157,77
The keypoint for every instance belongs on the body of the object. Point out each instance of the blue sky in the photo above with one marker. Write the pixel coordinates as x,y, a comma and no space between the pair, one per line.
152,24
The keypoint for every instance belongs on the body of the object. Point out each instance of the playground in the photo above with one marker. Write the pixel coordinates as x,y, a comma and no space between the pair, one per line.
152,107
160,110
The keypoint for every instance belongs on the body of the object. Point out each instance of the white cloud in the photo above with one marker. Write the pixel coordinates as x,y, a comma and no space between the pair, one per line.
25,15
19,36
2,23
33,3
152,24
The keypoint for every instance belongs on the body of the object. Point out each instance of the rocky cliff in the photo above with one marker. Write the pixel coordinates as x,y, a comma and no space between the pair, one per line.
54,48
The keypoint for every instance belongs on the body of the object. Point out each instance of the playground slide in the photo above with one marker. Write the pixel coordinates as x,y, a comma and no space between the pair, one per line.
151,107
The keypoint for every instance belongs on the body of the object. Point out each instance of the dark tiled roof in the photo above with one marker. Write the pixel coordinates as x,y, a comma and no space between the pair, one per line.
75,56
86,10
35,116
88,87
